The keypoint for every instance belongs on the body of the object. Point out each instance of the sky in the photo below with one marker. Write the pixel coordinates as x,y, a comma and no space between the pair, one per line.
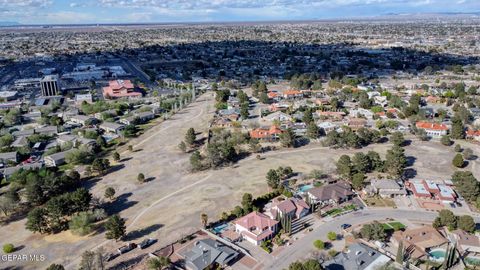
151,11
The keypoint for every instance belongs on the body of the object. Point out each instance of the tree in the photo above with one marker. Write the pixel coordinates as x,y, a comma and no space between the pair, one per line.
332,236
344,166
358,181
55,267
244,113
81,223
254,145
37,221
190,137
467,185
313,131
445,140
397,138
204,219
158,263
100,165
400,253
447,218
182,146
8,248
287,138
109,193
247,202
130,148
457,131
373,231
395,161
458,161
457,148
361,163
319,244
468,154
196,161
466,223
307,117
115,227
116,157
273,179
141,177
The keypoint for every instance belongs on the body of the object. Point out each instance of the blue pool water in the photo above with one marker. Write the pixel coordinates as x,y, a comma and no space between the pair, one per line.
437,254
472,260
305,188
220,228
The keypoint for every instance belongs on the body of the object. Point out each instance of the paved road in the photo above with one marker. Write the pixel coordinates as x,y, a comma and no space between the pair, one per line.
301,248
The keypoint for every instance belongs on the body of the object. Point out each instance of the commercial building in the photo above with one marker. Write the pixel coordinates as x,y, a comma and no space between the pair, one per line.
50,86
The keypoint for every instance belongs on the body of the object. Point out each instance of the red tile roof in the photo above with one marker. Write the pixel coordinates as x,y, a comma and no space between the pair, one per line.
431,126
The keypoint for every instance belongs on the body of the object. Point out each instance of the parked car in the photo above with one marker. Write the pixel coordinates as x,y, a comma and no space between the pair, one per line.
146,243
345,226
126,248
111,256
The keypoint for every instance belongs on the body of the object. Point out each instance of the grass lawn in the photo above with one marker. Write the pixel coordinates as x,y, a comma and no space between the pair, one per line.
379,202
395,226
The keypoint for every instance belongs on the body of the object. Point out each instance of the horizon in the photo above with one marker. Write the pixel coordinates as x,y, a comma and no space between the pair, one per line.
71,12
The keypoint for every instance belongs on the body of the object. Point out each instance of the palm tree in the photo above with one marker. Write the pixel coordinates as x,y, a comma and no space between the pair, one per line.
204,219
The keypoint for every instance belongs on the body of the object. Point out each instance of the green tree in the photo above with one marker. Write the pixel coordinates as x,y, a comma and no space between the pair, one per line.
467,185
55,267
273,179
81,223
247,202
358,181
458,161
319,244
373,231
100,165
345,167
109,193
332,236
361,163
37,220
466,223
8,248
116,156
158,263
397,138
141,177
313,131
445,140
190,137
447,218
115,227
468,154
396,161
458,130
287,138
400,253
196,161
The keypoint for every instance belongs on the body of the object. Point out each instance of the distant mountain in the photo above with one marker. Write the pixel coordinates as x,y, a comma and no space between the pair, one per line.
5,23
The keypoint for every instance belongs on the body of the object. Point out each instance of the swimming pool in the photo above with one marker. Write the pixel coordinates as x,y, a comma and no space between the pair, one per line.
305,188
220,228
437,254
472,260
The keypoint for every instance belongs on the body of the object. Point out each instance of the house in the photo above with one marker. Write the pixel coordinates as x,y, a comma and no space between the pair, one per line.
80,98
278,116
361,112
111,127
291,94
256,227
331,115
208,253
120,89
356,123
278,107
433,130
357,257
387,188
272,133
428,189
420,241
293,207
466,243
472,134
83,120
55,160
327,126
335,193
138,118
9,156
7,172
47,130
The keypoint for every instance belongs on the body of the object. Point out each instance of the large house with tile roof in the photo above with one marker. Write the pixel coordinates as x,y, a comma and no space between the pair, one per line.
256,227
433,130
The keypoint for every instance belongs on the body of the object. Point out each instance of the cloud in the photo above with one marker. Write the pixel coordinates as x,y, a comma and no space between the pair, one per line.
25,3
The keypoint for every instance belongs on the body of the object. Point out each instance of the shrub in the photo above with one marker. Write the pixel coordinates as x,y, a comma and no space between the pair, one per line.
319,244
8,248
332,236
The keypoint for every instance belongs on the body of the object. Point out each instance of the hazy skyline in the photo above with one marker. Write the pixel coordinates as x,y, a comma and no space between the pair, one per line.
138,11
